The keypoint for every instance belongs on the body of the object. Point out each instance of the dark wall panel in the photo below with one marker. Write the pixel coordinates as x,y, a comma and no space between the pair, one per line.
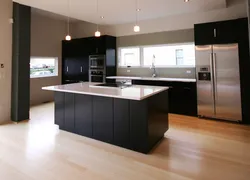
20,63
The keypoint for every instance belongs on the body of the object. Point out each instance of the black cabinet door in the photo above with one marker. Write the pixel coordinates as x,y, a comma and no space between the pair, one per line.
103,123
83,115
205,33
226,32
69,112
121,122
59,109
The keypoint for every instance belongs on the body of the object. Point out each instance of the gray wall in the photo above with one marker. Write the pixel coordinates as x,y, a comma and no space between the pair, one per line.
46,36
5,58
180,36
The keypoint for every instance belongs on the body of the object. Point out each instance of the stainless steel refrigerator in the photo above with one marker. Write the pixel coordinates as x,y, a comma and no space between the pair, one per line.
218,82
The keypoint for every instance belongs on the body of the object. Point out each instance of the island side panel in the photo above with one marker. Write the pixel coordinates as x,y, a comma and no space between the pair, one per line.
83,115
121,123
59,109
103,119
139,126
69,112
158,122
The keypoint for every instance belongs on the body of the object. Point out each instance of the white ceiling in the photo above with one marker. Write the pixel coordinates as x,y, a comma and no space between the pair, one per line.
123,11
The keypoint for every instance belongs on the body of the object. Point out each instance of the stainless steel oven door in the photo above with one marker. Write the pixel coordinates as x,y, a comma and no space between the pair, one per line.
97,78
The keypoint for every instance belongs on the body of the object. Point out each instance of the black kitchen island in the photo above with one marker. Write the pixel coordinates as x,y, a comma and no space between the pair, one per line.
134,117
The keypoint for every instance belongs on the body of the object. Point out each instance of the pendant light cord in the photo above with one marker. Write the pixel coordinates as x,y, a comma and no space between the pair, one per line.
68,16
136,12
97,12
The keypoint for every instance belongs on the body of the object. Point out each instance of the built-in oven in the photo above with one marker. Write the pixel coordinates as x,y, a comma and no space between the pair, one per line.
97,76
97,61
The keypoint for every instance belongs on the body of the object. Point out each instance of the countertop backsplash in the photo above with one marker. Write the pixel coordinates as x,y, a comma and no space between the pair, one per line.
188,73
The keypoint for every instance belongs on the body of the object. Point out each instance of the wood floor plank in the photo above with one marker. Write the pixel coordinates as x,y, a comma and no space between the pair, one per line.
192,149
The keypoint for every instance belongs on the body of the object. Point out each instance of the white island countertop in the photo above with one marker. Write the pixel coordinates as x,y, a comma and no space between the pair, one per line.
135,92
150,78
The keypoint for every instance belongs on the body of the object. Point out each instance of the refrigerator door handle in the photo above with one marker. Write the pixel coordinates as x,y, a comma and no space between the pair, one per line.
215,75
212,80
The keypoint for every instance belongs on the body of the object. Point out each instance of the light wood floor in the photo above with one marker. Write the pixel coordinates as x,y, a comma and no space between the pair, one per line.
192,149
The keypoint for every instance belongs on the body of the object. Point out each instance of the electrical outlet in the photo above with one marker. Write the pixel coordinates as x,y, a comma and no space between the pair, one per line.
128,71
188,72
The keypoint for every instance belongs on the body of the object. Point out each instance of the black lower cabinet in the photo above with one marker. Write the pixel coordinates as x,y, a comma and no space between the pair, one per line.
182,96
59,109
121,123
83,115
138,126
103,119
69,112
135,125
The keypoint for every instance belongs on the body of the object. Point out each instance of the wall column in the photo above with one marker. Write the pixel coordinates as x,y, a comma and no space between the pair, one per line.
5,59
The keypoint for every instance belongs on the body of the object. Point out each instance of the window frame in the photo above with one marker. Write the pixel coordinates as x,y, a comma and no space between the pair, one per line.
56,59
119,56
141,55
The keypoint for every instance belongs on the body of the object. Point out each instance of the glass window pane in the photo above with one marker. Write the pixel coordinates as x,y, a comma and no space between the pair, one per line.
42,67
129,57
169,55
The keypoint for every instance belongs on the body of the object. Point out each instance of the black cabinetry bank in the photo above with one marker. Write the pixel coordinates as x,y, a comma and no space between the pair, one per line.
231,31
135,118
75,57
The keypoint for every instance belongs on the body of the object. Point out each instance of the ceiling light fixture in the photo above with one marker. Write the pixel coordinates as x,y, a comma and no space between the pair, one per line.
102,17
97,33
68,37
136,27
186,0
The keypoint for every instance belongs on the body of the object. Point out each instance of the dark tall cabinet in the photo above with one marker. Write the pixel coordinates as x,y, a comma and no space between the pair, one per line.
226,32
75,57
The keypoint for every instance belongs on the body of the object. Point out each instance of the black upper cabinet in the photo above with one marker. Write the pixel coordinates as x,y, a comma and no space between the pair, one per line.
226,32
75,57
205,33
217,32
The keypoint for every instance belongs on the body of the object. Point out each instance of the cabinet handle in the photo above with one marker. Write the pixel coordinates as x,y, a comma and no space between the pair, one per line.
81,68
96,50
215,32
67,69
186,88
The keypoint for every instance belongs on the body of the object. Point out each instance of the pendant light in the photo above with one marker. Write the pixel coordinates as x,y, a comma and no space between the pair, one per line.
68,37
97,33
136,27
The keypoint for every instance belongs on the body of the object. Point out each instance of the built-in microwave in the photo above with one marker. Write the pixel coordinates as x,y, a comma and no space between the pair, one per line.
97,61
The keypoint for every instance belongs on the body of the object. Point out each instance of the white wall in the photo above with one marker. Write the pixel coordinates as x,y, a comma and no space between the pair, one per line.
6,58
46,37
179,22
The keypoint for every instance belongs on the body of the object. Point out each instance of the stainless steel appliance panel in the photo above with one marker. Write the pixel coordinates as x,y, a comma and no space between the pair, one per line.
227,82
205,92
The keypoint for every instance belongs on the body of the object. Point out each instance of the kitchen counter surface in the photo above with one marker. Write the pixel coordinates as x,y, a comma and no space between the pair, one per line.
151,78
135,92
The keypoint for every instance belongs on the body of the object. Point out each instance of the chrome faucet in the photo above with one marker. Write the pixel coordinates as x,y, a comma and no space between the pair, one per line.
153,67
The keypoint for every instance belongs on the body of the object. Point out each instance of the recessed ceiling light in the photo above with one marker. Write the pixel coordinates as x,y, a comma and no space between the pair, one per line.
138,9
102,17
186,0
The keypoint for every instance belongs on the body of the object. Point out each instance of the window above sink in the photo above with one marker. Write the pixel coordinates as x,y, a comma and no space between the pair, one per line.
167,55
